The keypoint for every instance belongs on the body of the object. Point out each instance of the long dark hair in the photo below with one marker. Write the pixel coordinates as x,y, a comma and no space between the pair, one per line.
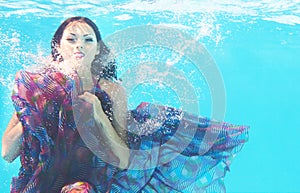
104,65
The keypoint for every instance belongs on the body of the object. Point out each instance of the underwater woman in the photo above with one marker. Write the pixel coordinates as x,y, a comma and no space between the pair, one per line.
72,129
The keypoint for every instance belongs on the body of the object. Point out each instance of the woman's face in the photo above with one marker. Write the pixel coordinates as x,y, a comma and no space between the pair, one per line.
78,45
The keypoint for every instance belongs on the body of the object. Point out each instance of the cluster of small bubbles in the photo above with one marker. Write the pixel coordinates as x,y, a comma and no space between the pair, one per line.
150,124
161,60
7,81
15,58
167,131
9,48
200,22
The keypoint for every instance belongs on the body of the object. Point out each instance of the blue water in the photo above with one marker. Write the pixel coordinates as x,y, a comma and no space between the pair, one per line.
255,45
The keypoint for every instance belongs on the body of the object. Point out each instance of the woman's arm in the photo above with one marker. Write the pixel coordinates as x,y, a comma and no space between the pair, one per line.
11,139
116,143
120,110
119,106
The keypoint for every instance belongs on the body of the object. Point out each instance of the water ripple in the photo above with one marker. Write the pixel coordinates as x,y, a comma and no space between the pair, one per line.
273,10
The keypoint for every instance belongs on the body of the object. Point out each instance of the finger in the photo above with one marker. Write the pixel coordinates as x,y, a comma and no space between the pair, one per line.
88,94
86,97
89,97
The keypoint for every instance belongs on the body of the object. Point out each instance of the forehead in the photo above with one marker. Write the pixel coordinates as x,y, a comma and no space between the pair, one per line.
79,28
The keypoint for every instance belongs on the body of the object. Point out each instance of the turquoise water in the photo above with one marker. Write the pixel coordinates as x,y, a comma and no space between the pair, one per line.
255,45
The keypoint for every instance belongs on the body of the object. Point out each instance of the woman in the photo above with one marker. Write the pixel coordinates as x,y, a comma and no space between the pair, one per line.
76,45
63,148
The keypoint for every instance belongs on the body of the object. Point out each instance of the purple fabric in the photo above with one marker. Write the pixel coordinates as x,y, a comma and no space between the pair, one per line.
170,150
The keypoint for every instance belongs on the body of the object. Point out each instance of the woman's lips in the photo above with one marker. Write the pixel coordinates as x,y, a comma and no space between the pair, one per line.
79,55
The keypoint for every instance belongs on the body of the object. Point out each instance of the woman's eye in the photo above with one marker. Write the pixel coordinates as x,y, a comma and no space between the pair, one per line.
71,39
89,40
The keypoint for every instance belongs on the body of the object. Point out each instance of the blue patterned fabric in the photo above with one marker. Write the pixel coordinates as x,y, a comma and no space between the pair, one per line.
170,150
185,153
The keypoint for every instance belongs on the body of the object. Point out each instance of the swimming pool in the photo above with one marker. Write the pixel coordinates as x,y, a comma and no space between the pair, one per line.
255,46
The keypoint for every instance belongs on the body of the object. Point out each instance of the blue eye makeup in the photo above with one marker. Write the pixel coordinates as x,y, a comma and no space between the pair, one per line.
89,39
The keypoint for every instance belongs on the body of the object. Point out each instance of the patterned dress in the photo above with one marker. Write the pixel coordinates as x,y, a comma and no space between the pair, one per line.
170,150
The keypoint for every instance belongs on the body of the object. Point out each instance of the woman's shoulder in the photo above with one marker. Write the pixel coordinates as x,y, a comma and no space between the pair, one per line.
39,73
46,80
108,84
112,88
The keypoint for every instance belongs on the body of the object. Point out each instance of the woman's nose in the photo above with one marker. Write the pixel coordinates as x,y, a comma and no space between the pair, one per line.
79,45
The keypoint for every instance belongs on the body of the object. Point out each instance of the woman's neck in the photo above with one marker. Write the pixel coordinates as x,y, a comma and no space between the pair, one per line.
87,81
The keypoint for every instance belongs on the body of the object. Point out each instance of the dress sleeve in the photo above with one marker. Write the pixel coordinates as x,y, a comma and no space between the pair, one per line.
174,151
37,98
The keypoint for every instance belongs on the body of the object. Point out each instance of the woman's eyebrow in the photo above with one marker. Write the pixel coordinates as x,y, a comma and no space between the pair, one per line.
85,35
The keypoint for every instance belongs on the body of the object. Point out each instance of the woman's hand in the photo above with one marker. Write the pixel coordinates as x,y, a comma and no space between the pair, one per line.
98,112
107,130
